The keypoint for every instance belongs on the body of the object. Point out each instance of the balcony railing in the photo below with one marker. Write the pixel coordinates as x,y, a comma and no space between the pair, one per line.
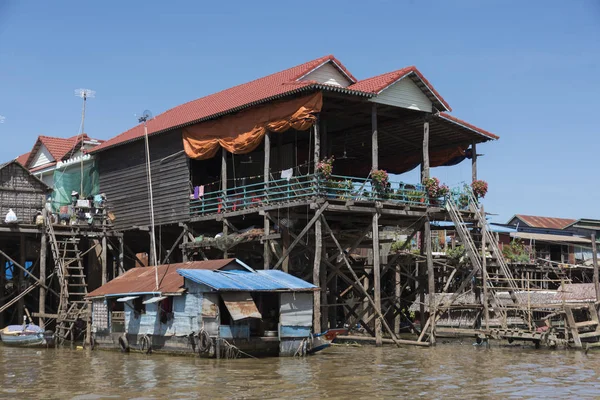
304,187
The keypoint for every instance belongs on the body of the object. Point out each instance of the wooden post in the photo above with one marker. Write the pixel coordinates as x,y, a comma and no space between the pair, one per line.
595,260
285,245
474,161
374,141
425,164
21,279
224,191
332,310
184,241
317,148
105,261
42,299
377,278
317,278
486,311
431,278
2,284
266,221
397,294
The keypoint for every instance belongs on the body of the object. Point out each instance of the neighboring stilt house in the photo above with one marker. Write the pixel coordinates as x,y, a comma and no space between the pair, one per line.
212,308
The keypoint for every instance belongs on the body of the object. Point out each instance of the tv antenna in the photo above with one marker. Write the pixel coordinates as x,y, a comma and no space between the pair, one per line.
84,94
144,118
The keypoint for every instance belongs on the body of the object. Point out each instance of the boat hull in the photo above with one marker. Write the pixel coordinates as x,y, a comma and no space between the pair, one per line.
27,340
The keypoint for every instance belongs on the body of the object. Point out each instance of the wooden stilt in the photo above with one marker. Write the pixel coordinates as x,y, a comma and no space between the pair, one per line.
21,279
224,191
317,278
474,161
285,245
397,293
42,299
484,273
374,141
2,284
595,260
105,260
266,222
431,279
377,277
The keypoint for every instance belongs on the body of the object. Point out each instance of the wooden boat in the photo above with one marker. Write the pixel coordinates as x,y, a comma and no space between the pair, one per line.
26,336
321,341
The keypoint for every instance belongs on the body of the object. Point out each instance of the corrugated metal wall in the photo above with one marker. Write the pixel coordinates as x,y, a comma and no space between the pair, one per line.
327,74
123,180
406,94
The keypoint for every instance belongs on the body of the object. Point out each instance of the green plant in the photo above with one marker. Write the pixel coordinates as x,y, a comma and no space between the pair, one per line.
456,256
415,196
341,188
516,252
397,246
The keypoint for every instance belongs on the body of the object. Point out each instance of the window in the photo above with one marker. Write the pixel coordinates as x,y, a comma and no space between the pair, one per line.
165,310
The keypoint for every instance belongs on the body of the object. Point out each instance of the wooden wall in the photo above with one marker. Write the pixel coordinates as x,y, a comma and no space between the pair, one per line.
123,179
21,192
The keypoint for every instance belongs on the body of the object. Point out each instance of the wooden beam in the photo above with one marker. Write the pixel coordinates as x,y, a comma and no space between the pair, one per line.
374,139
266,222
179,238
377,277
21,279
365,292
473,161
302,233
42,299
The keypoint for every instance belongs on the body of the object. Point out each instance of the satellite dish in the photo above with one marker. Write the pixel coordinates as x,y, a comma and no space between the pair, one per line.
146,116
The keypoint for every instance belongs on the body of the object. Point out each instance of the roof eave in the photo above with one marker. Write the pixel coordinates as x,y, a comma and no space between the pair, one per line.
314,86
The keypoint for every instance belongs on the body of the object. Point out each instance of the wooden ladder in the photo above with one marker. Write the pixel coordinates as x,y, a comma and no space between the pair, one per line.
73,286
586,332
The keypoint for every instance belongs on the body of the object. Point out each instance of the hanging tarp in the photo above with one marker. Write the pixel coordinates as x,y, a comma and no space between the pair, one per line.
68,180
240,305
437,158
243,132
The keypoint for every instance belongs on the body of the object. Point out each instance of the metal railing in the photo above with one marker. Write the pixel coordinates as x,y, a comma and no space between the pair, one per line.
304,187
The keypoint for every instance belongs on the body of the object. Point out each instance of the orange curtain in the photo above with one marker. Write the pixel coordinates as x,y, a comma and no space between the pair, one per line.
243,132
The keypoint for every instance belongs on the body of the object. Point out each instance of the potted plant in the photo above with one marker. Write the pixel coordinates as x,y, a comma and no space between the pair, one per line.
325,168
434,190
479,188
381,183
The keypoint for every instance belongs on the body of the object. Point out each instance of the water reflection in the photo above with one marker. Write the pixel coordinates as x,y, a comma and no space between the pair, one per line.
449,371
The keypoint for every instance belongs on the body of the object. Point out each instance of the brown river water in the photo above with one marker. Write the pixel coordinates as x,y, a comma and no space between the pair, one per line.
446,371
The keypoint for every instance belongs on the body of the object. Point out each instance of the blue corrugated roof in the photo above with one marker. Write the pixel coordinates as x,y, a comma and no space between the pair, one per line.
266,280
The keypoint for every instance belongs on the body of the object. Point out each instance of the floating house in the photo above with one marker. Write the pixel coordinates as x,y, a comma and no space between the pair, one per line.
213,308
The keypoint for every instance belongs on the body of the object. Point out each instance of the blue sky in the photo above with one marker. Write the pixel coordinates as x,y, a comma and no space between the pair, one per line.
525,70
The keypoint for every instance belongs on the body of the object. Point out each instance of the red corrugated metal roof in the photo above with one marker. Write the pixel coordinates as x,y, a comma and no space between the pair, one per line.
57,147
22,159
142,279
468,125
544,222
377,83
280,83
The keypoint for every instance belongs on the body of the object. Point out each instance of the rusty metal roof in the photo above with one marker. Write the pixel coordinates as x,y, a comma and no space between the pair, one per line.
544,222
141,280
577,292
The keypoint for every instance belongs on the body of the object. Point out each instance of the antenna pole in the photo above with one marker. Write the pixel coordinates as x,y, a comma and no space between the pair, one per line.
84,94
149,173
81,147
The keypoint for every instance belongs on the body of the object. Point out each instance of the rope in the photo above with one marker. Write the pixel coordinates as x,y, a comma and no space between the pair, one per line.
302,349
